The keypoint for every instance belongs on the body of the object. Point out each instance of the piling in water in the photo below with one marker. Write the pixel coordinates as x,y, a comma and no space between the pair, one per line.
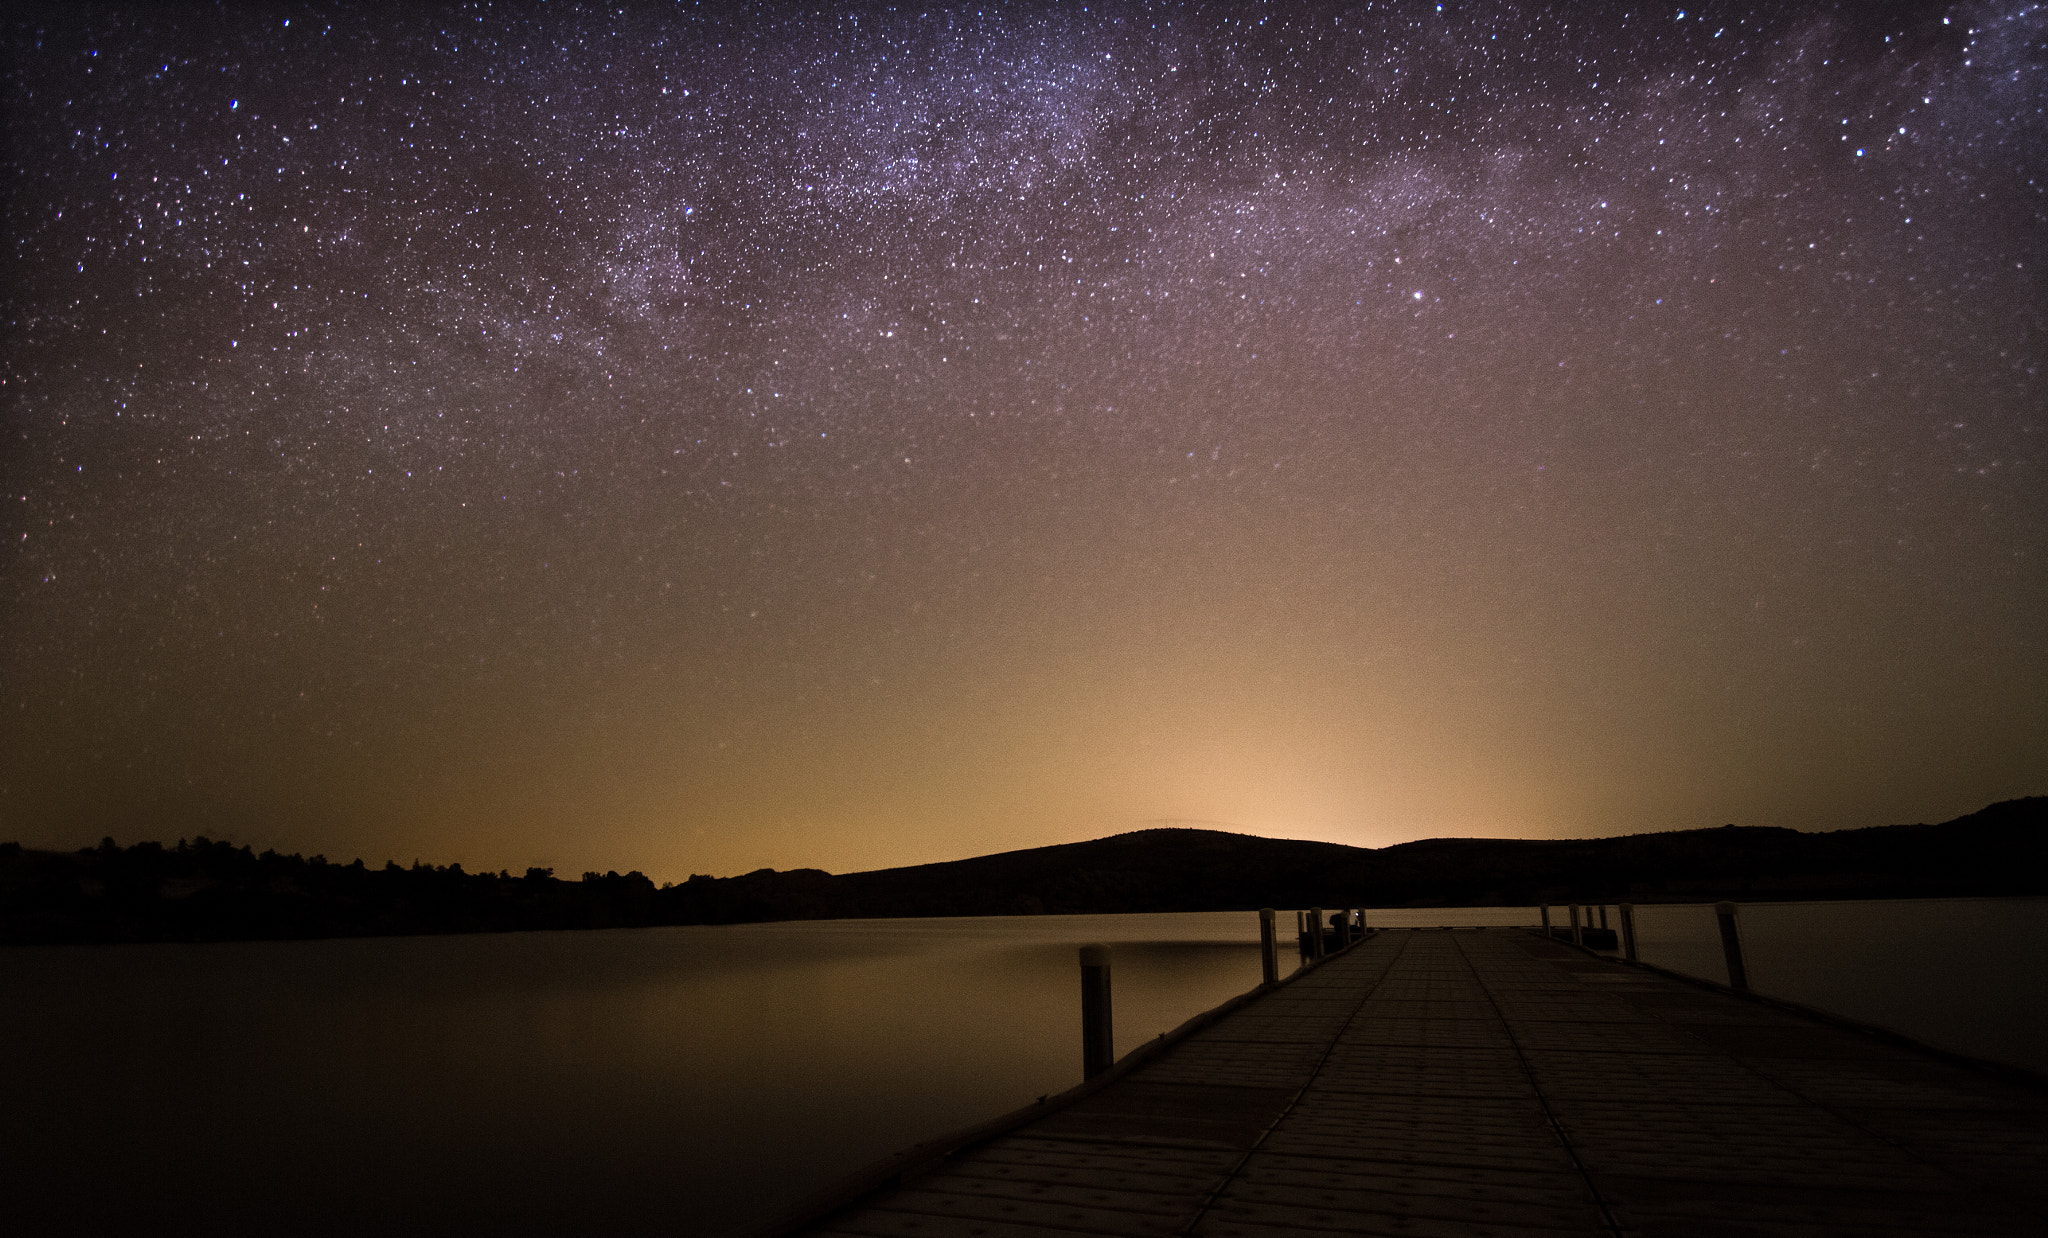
1627,912
1731,946
1098,1040
1269,960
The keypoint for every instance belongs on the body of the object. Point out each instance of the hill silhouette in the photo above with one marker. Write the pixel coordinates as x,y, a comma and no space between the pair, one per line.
206,890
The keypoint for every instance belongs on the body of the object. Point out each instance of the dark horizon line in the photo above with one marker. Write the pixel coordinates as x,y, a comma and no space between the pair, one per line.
1150,825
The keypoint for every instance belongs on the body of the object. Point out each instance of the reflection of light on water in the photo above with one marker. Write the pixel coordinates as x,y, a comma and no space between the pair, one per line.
682,1080
675,1080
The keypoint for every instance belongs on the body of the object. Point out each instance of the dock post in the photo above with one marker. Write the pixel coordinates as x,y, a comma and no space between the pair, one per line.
1315,932
1731,945
1603,915
1545,909
1578,930
1269,959
1098,1041
1301,935
1344,929
1627,913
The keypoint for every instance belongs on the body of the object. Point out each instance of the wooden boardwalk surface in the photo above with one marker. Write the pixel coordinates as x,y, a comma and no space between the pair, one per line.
1490,1082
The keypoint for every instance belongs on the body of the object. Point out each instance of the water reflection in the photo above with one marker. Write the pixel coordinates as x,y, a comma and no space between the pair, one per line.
686,1080
674,1080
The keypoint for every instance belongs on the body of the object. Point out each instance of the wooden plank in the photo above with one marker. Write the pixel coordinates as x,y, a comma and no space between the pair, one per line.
1488,1083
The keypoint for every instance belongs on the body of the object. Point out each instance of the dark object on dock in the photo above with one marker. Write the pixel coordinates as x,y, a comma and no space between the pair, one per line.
1580,930
1321,936
1590,938
1490,1081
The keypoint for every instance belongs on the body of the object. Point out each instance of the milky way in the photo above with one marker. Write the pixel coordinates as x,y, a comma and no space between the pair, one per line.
676,439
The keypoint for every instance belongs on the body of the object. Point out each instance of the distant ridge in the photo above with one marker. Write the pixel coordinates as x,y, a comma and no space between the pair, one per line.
1996,850
212,891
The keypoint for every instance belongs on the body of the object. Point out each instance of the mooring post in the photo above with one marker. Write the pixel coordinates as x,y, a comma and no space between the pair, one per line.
1315,932
1627,912
1269,958
1361,921
1098,1040
1545,909
1731,945
1603,915
1343,919
1578,930
1301,936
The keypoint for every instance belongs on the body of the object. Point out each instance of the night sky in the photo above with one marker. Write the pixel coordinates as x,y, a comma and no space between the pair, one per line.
698,438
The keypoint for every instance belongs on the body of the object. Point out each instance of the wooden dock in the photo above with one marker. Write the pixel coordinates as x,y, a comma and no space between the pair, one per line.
1493,1083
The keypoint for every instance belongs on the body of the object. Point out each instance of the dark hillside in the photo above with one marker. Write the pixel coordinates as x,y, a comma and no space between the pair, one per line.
1998,850
203,890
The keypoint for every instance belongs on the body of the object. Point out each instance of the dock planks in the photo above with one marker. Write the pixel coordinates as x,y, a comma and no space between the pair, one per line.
1493,1084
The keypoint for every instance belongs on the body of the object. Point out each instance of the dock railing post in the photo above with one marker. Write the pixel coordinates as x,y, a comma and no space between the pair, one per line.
1627,913
1269,958
1731,946
1545,909
1315,931
1098,1040
1578,931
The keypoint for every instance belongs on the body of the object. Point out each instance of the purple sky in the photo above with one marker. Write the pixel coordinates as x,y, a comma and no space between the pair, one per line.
631,438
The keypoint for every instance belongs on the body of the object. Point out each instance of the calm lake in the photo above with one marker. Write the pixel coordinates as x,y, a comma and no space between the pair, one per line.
688,1080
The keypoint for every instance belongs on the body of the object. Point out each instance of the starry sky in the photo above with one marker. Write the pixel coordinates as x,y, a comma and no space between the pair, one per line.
695,438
